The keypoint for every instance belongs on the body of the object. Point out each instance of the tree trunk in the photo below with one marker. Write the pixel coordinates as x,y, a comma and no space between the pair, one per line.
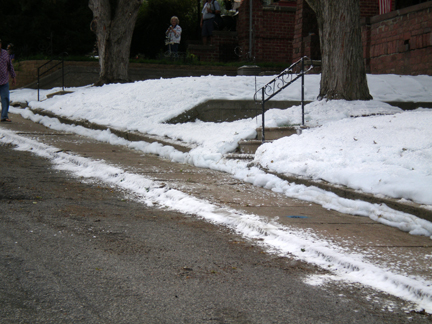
114,28
343,70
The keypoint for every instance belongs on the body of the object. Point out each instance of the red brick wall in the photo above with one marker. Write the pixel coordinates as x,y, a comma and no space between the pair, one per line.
243,24
225,42
222,49
204,53
400,42
277,32
273,31
298,46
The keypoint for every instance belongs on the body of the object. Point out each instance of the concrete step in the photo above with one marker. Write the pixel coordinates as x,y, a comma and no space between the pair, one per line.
271,134
239,156
250,146
274,133
58,93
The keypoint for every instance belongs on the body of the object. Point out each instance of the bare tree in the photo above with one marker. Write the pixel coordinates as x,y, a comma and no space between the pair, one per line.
113,23
343,70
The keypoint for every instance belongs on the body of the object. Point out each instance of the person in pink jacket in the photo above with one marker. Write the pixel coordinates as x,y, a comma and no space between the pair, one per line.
6,69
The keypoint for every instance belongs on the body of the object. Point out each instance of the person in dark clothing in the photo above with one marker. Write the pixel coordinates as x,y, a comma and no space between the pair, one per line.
210,9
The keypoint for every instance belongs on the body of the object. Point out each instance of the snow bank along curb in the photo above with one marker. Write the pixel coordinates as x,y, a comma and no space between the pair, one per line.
344,192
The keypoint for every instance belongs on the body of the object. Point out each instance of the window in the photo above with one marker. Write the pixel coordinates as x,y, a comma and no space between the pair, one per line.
400,4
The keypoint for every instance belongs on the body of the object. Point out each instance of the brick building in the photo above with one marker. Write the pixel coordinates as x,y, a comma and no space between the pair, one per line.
396,38
400,41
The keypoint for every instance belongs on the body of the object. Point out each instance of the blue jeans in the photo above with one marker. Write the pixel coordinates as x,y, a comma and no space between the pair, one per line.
4,94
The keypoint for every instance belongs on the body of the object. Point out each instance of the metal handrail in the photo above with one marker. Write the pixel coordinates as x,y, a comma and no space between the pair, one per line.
46,71
280,82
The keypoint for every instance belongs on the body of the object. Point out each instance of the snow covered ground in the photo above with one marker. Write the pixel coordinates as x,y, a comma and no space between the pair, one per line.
388,153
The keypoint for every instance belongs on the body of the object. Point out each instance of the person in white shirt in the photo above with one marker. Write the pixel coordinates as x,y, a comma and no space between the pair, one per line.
174,35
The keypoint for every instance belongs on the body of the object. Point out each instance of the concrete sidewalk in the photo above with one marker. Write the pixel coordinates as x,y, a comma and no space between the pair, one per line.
344,192
381,245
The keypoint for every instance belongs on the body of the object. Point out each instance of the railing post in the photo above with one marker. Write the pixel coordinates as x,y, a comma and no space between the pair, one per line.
62,74
302,89
263,111
38,82
250,30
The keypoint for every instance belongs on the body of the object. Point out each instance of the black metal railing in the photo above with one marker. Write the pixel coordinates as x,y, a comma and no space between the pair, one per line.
280,82
49,68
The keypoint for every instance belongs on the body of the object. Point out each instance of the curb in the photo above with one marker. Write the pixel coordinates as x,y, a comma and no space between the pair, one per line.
348,193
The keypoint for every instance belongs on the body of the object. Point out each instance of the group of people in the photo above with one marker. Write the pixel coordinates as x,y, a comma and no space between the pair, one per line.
6,70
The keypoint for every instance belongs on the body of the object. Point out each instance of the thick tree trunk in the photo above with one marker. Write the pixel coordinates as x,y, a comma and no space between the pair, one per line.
343,70
114,28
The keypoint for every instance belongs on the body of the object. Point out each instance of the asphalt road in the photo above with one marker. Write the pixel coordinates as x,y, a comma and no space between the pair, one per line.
76,252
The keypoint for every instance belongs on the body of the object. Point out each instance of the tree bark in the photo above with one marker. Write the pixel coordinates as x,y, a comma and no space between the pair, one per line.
343,70
114,29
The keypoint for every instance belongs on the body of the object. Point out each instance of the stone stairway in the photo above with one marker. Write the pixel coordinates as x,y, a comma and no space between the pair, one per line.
249,147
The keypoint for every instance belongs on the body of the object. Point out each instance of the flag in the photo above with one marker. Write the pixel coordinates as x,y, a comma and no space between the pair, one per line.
384,6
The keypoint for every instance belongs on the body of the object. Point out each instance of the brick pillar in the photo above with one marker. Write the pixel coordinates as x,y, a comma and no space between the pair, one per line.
306,39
